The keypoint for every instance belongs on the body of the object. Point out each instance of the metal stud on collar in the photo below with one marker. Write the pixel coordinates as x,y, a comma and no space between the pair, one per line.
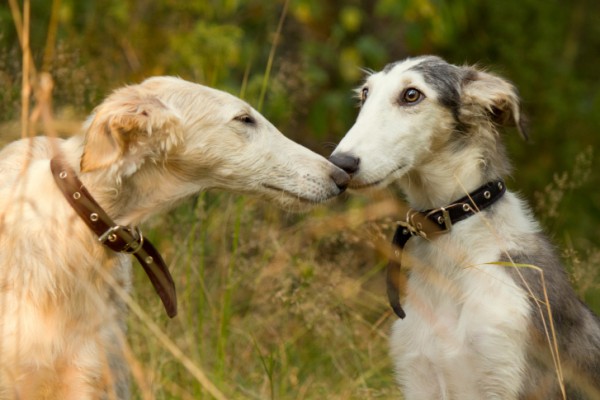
94,217
487,194
62,175
466,207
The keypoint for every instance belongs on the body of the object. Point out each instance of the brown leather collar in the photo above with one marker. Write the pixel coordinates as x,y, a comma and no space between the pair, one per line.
118,238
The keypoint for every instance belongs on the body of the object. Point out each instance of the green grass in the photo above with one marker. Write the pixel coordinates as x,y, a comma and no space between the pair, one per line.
269,309
276,305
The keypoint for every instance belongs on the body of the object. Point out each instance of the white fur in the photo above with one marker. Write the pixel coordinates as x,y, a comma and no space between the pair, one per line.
466,325
145,147
467,322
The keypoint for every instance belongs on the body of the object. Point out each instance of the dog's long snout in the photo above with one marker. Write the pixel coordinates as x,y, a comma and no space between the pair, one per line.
340,178
345,161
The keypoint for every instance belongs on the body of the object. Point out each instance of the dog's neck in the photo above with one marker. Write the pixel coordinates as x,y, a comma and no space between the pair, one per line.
445,177
135,198
131,199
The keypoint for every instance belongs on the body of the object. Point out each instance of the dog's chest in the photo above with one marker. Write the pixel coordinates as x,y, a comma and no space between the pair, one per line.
462,287
466,317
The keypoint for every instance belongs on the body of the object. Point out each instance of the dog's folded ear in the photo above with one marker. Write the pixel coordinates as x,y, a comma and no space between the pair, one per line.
494,98
126,129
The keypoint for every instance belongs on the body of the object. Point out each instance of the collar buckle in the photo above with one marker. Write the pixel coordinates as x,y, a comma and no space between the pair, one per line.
132,247
411,226
445,220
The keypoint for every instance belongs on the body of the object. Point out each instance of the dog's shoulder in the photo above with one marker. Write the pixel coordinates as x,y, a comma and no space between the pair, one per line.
27,189
18,154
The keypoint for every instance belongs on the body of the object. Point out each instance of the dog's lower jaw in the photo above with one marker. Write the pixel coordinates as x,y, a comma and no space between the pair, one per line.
292,201
393,175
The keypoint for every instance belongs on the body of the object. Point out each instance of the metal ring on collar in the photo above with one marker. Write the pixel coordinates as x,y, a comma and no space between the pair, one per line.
137,243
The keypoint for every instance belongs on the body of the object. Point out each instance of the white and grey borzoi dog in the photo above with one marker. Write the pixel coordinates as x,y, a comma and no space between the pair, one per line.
146,147
476,320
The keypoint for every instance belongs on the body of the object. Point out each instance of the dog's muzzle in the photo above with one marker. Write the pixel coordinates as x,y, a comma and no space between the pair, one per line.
346,161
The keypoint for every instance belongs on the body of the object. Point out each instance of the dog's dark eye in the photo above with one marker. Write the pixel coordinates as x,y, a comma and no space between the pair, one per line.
411,96
364,93
246,119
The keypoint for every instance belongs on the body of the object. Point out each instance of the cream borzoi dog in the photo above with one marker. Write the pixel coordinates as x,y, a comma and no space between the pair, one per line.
476,320
145,148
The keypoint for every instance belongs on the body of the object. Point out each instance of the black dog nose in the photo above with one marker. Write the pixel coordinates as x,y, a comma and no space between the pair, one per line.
340,178
345,161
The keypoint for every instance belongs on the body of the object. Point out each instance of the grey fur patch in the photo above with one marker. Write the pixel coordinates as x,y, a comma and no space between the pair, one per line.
445,79
390,66
577,328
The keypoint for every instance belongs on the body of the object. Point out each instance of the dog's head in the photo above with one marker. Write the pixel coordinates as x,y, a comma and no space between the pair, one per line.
169,133
420,115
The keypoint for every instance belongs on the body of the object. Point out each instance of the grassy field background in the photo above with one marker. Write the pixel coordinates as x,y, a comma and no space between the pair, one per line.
274,306
292,306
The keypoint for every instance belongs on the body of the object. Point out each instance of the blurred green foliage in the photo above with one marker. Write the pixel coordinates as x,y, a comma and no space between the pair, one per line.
549,49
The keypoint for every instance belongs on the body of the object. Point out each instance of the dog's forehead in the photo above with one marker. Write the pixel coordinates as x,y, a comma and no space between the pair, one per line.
169,86
394,73
441,79
227,100
197,100
399,67
398,75
434,71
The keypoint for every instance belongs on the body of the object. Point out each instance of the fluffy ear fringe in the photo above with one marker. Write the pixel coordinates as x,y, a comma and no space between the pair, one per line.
128,127
496,98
